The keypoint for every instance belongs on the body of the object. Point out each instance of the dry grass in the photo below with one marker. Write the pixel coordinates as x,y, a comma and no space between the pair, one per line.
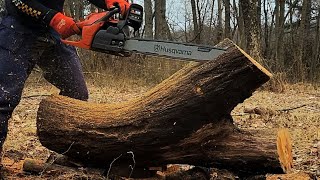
303,123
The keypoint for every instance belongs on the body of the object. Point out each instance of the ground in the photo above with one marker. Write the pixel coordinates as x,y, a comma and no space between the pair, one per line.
296,108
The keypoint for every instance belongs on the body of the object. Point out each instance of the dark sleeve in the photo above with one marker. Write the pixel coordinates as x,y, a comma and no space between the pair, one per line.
99,3
34,10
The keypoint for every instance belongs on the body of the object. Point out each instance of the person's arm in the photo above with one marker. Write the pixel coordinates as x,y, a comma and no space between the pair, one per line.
35,10
64,25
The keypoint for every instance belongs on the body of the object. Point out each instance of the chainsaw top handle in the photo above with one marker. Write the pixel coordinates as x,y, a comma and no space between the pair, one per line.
111,13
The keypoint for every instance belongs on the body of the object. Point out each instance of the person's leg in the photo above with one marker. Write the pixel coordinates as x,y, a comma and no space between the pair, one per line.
14,70
62,68
16,63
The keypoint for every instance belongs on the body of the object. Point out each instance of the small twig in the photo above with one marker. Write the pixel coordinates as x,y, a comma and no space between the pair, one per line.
95,73
243,114
294,108
36,95
111,165
134,163
313,109
68,148
54,160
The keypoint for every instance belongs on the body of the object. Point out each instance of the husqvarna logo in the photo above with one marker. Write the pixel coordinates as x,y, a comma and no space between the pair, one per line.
160,48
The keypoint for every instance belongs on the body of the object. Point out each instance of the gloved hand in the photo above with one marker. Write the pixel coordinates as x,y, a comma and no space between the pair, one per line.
123,4
64,25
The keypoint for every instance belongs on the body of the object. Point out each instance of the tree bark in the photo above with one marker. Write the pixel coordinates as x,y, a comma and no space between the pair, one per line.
240,20
161,30
219,28
303,55
252,28
266,30
184,120
148,19
196,31
279,32
227,15
315,74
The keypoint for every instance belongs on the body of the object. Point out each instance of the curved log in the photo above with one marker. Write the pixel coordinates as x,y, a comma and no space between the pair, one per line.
185,119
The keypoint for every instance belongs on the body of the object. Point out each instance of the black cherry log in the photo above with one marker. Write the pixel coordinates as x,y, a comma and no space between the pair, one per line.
183,120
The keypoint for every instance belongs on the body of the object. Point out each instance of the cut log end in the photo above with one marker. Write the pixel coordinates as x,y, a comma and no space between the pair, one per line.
259,66
284,148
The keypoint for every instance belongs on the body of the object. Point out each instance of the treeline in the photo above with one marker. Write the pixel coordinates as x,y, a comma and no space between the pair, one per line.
284,35
281,34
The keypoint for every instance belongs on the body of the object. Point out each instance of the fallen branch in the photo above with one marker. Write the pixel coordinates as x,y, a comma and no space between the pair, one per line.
266,111
184,120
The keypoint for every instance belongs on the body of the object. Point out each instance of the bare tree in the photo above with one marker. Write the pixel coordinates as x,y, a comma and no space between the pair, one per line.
303,36
219,28
148,19
227,16
279,33
251,28
196,30
266,29
162,30
239,15
315,64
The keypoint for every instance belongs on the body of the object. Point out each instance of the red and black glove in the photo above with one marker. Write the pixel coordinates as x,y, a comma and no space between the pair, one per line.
64,25
123,4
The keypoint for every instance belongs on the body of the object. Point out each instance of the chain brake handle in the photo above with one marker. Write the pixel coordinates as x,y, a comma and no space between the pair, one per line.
89,31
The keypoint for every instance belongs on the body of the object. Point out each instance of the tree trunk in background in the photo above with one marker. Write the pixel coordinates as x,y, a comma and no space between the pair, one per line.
259,14
211,39
266,30
148,19
303,37
160,20
316,56
79,9
251,28
293,35
240,20
227,18
68,8
279,33
201,18
196,31
219,28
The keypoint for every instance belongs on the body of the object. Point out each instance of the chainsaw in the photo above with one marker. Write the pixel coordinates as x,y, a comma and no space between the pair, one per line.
106,32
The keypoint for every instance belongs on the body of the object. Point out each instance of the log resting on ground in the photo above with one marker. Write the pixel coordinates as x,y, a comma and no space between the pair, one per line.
185,119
